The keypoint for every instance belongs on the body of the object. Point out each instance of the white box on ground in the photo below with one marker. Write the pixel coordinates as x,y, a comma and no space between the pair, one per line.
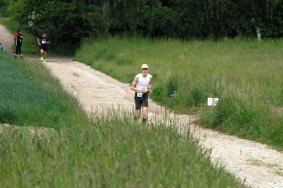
212,101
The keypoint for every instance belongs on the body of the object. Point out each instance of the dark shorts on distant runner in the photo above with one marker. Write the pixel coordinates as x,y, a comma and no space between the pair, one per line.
44,47
141,101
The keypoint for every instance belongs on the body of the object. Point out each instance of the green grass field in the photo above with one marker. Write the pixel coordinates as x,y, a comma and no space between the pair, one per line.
78,152
243,73
29,96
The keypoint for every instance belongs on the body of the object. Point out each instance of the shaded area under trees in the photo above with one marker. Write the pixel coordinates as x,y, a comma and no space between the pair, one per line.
68,22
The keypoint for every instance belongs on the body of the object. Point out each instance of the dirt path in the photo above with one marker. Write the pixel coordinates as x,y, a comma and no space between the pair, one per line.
253,163
6,38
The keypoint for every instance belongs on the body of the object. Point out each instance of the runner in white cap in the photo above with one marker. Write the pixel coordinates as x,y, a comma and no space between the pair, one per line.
142,85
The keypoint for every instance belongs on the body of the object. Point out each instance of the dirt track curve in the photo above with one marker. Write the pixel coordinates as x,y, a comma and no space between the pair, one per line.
255,164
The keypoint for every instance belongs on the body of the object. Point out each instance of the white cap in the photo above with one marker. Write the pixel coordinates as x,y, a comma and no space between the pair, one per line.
144,66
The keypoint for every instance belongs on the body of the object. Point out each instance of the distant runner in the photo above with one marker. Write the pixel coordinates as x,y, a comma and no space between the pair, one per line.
1,46
18,43
142,85
43,45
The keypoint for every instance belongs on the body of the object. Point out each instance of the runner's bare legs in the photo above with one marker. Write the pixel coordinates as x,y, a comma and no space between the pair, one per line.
145,113
43,53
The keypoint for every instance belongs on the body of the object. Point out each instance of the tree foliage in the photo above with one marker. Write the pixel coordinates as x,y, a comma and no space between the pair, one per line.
3,7
68,21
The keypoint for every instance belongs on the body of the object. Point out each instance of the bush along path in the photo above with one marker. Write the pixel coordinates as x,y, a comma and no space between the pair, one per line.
255,164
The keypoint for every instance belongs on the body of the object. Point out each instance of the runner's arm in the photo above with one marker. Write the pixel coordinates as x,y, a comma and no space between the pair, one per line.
47,40
134,83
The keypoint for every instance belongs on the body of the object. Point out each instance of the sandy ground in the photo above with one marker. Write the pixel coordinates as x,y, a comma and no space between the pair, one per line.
255,164
6,38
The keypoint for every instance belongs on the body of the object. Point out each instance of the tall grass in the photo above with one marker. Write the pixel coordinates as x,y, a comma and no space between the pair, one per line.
107,151
112,152
245,74
29,96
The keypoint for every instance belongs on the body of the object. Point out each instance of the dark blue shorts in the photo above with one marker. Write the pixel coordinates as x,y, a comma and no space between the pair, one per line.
141,101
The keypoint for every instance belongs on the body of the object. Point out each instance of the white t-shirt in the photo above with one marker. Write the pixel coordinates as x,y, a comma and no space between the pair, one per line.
143,81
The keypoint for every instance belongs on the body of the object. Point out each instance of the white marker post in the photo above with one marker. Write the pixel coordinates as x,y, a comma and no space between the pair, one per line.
212,101
258,34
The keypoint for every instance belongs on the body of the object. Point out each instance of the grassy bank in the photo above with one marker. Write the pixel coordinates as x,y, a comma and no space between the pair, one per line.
111,153
244,74
104,152
29,96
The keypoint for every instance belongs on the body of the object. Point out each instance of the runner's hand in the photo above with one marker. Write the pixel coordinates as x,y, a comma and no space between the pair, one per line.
142,90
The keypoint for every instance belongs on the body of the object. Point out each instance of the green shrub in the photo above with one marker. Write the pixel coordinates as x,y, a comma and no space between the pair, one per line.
172,86
158,94
198,96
